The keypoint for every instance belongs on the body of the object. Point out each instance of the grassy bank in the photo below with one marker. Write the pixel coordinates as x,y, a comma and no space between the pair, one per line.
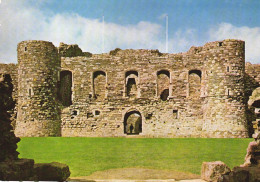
87,155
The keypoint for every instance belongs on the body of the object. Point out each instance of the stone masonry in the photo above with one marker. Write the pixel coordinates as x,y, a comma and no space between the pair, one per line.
200,93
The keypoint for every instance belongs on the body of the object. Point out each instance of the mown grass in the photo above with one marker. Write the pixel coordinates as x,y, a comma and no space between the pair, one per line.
87,155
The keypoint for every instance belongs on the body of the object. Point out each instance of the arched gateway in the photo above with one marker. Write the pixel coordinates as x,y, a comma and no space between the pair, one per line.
133,123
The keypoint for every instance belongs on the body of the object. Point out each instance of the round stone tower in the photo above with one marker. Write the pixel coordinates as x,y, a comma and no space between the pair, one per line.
38,109
225,114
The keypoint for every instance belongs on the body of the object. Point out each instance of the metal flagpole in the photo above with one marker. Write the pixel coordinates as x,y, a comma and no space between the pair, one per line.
103,32
166,46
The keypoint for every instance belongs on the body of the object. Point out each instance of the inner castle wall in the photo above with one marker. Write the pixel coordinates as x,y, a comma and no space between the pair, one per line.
200,93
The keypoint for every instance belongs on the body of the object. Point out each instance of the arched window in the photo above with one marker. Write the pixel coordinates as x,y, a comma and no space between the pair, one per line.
163,83
133,123
65,88
131,83
194,83
99,84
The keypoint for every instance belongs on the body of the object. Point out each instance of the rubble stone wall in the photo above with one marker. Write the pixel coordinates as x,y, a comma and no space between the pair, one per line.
38,109
11,69
8,141
208,88
217,111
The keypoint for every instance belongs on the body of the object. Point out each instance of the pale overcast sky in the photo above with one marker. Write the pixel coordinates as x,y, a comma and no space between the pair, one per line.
132,24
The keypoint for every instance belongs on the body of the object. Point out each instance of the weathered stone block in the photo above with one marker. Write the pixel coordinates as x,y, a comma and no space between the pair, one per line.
242,174
52,171
211,171
21,169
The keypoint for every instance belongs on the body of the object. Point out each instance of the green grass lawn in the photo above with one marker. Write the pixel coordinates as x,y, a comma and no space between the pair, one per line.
87,155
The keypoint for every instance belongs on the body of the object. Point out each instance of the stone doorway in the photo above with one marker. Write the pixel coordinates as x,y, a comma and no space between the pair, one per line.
133,123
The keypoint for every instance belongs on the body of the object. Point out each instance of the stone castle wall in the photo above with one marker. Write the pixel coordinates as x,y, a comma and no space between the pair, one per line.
206,91
200,93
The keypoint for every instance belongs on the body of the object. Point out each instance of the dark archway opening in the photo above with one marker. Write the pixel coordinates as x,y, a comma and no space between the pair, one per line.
65,90
197,72
133,123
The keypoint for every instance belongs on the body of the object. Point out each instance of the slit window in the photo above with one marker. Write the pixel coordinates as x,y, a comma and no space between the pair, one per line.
175,114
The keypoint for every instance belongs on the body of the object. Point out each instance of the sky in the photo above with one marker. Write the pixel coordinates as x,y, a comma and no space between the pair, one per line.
129,24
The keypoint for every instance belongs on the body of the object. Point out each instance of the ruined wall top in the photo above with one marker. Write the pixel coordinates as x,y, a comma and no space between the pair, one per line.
210,47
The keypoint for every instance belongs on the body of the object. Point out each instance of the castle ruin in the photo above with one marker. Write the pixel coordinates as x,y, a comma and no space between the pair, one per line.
66,92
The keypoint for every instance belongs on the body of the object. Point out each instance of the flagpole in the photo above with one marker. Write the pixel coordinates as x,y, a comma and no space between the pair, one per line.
166,32
103,32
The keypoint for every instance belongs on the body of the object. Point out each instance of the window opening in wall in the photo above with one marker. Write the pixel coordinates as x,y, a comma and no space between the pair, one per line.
175,114
164,95
165,72
97,112
65,88
131,82
133,123
90,115
30,92
25,48
194,83
163,84
220,44
148,115
227,68
228,92
131,87
74,113
99,85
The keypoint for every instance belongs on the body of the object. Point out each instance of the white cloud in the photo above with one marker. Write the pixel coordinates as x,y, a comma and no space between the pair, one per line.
182,40
24,20
251,36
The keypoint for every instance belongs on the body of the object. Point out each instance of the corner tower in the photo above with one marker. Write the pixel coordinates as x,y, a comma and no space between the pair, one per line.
225,89
38,70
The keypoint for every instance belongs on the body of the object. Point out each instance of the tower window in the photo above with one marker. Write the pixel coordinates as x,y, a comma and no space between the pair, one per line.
25,48
97,112
175,114
74,113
